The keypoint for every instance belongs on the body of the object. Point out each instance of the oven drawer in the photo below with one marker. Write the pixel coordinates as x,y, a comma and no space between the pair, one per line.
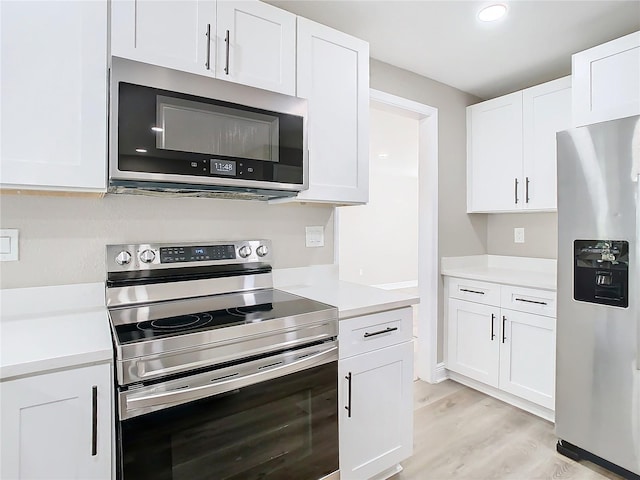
363,334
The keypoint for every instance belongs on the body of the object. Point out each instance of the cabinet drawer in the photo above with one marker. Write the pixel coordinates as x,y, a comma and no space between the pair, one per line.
474,291
370,332
540,302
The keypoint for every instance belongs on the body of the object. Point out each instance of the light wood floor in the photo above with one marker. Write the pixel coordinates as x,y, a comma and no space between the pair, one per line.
460,433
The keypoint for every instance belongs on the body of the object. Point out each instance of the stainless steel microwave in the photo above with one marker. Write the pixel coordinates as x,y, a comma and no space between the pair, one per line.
178,133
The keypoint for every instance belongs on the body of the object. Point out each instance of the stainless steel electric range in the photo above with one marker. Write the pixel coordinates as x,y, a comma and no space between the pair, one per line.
219,375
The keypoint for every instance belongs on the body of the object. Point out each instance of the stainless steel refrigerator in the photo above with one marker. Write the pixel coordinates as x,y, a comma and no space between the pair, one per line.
598,336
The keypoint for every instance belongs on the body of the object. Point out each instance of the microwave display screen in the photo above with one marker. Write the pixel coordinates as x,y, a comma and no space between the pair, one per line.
223,167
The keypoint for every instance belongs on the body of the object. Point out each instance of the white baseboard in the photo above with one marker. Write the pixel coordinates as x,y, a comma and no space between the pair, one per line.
526,405
397,285
441,373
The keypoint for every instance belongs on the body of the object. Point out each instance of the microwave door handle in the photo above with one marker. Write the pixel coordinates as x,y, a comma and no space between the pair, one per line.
175,397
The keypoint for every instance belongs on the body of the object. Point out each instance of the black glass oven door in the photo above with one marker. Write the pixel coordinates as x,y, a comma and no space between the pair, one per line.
285,428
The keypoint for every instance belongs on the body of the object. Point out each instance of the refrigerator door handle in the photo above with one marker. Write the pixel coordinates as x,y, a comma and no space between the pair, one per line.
636,267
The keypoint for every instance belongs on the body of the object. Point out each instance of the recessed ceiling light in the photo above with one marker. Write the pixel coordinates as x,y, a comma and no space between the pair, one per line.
141,150
492,12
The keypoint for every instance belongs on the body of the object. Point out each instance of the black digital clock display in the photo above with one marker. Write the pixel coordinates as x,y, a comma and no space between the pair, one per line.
204,253
223,167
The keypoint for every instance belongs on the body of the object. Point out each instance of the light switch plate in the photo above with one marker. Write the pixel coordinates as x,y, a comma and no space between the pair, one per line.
8,245
315,236
518,235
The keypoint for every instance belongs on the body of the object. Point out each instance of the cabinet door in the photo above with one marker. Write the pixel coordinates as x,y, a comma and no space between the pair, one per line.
528,357
256,45
605,81
473,342
494,155
53,65
546,110
177,34
333,74
53,427
377,432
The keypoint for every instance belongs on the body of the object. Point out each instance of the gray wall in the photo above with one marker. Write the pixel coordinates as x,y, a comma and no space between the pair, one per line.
459,233
62,238
540,234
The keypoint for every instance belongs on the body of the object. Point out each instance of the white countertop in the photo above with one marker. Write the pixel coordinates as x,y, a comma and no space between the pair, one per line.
520,271
51,328
321,283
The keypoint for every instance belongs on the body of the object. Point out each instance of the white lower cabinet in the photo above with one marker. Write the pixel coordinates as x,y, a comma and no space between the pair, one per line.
474,347
510,349
57,425
527,356
375,394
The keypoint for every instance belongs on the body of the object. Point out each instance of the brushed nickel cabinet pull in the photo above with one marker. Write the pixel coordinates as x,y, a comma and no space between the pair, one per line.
380,332
207,64
226,67
471,291
504,335
516,190
526,190
530,301
94,420
348,407
493,335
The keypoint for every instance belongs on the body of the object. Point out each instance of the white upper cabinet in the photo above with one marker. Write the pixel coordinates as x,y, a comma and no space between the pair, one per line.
494,154
511,148
606,81
333,74
546,110
246,42
170,33
256,45
53,113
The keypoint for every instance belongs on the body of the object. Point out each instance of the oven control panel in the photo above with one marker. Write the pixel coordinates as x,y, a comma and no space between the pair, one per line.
151,256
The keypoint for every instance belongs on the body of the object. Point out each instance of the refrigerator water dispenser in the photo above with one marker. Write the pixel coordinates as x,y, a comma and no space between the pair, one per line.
601,272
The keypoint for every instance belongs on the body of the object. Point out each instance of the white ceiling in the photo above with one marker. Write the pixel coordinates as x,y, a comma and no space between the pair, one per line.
444,41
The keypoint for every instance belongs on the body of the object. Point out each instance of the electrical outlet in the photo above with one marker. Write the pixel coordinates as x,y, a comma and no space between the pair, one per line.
518,235
315,236
9,245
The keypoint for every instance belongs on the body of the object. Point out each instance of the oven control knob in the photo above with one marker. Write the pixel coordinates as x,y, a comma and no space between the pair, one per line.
147,256
123,258
262,250
245,251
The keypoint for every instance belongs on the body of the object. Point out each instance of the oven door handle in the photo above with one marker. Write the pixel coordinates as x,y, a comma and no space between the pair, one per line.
160,400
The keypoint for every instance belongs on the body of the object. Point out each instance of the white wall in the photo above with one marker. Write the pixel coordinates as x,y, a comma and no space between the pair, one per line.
378,242
63,238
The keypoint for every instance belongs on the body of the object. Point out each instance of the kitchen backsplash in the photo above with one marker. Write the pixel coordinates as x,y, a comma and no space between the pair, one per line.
540,234
63,238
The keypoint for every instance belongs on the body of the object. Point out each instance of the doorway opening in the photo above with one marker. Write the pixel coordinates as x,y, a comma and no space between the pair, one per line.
392,242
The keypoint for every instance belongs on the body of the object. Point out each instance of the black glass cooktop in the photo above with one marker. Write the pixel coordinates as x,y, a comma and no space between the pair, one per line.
179,317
